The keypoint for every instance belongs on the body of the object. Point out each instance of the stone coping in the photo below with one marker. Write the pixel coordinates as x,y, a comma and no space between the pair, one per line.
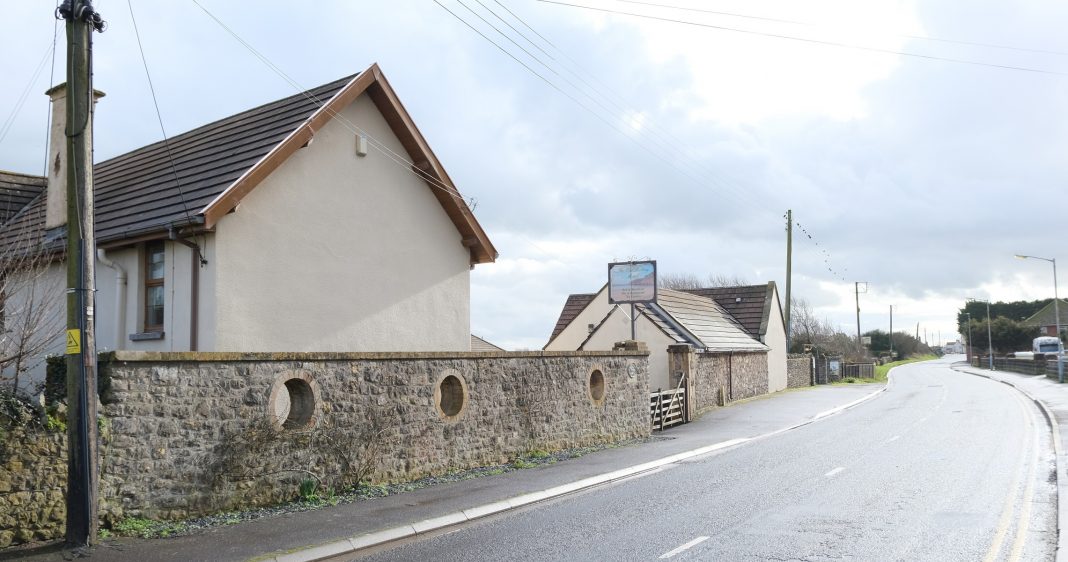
230,356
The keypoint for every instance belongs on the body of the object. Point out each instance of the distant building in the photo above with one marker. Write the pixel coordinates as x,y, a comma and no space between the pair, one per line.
1046,321
953,347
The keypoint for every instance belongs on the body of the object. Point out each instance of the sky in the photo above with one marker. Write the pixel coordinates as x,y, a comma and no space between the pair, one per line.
920,145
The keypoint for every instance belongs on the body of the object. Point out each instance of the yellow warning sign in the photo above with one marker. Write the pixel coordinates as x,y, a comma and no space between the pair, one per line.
74,342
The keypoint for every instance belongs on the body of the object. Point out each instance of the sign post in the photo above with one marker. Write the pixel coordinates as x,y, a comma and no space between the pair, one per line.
632,282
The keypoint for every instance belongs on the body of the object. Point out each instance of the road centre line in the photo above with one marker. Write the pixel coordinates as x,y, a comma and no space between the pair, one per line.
684,547
835,471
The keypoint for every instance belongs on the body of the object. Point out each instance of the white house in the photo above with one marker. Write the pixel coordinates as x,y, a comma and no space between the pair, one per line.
745,317
318,222
590,322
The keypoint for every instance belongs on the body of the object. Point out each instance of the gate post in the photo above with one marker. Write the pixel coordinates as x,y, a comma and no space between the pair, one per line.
681,362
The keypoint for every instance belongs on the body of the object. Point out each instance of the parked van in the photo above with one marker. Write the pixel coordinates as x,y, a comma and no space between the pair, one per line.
1046,344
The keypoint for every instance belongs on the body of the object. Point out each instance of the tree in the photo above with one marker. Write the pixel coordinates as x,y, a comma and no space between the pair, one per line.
31,307
687,281
1007,335
1016,310
809,331
905,344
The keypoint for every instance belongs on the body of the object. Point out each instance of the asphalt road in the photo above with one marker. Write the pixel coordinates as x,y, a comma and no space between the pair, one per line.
941,466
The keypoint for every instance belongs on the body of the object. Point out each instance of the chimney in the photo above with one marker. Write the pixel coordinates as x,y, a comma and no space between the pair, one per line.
56,195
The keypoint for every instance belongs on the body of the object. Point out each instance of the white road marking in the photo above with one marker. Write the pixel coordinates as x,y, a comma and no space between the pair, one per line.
835,471
894,438
684,547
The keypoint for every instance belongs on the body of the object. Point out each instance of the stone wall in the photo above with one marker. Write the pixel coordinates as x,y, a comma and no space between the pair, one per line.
798,370
33,482
719,378
194,433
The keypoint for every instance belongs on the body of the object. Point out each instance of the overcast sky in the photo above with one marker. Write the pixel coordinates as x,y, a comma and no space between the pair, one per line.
617,136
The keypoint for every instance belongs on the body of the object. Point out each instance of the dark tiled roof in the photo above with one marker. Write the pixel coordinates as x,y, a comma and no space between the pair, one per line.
137,192
706,320
479,344
574,305
1046,317
748,304
16,191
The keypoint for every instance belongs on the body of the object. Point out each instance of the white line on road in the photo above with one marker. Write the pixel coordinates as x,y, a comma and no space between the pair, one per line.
686,546
894,438
835,471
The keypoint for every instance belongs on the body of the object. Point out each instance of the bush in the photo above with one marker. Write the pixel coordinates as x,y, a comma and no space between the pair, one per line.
55,388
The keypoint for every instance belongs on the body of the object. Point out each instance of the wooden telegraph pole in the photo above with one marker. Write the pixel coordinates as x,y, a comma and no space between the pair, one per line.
789,260
82,464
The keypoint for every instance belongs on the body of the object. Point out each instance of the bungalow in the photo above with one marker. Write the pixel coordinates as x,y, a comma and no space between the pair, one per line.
590,322
1045,319
758,310
319,222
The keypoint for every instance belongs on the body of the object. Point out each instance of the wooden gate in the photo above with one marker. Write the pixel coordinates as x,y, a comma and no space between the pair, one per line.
668,407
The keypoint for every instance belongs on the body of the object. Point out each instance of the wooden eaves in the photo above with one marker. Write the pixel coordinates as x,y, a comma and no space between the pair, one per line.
426,164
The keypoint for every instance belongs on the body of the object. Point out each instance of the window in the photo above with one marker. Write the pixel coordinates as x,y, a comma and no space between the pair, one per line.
154,267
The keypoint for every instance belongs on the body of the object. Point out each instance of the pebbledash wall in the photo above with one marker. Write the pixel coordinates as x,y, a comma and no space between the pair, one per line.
175,416
798,370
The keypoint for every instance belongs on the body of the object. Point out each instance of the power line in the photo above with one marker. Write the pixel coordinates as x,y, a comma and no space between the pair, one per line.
159,116
812,24
808,40
717,177
24,95
738,196
51,81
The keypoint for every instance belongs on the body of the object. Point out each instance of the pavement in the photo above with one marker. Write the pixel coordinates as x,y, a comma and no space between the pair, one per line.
1052,398
341,529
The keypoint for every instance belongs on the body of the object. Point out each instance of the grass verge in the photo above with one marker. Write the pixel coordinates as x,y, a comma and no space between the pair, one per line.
882,371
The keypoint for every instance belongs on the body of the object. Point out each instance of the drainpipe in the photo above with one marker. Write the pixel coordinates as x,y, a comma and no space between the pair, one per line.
730,374
194,285
120,297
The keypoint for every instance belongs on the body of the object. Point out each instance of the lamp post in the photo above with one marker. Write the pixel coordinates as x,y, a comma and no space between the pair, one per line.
1056,313
989,338
969,350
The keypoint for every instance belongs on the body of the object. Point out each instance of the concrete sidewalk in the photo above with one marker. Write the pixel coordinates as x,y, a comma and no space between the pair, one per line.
334,530
1052,399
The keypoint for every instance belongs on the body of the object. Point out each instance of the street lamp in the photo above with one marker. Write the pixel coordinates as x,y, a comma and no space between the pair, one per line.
989,339
1056,312
969,350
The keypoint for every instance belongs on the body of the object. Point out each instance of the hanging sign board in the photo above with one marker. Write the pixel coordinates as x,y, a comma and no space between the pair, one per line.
631,282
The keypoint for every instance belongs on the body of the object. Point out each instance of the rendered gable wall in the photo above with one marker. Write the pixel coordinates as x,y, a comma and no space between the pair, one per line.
617,328
339,252
572,336
775,338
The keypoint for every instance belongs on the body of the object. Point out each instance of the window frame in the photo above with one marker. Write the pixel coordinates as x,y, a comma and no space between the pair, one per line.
151,249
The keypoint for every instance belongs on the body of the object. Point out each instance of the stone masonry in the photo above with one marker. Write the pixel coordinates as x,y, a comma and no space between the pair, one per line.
175,416
715,379
798,370
33,482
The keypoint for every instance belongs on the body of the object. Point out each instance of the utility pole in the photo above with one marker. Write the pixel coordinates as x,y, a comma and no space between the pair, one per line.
989,338
969,346
856,292
82,466
789,258
891,332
